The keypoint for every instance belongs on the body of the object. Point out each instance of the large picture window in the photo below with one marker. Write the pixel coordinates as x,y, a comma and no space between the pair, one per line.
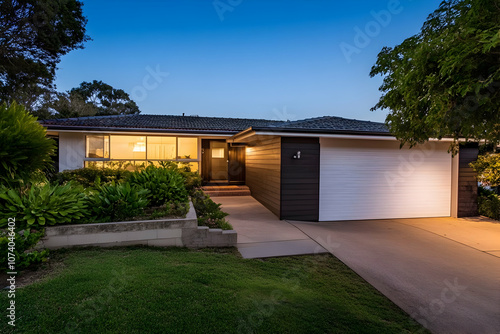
128,147
132,151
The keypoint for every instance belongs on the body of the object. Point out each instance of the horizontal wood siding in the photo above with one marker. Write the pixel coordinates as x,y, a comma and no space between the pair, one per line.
467,183
300,178
263,156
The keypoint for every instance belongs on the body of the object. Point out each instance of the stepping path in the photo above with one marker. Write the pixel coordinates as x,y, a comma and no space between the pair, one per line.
261,234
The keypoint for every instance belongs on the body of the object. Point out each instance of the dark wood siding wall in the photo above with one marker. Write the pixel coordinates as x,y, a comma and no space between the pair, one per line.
263,157
300,178
467,183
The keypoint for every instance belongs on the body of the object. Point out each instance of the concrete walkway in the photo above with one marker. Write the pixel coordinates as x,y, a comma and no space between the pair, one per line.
444,272
261,234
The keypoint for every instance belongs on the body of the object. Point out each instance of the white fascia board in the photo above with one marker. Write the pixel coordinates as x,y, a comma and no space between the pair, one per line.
325,135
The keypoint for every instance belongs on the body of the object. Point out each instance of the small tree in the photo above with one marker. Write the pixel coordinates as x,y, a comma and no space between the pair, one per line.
24,148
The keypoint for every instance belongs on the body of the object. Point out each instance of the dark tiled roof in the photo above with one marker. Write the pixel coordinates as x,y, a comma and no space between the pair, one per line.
332,124
326,124
159,122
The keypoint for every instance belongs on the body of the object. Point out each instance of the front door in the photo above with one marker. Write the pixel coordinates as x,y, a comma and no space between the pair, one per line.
221,163
215,161
236,165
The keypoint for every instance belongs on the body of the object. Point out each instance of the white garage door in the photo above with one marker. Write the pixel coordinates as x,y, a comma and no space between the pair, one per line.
361,179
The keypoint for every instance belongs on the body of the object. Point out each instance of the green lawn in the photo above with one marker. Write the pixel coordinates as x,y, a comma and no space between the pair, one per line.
153,290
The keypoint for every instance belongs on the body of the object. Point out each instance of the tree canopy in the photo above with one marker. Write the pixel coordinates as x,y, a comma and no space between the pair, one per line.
106,99
34,34
445,81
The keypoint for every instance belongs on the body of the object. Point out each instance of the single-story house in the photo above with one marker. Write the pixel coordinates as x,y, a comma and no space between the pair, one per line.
318,169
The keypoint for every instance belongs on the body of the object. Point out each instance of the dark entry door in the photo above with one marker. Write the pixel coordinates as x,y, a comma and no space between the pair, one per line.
214,161
236,165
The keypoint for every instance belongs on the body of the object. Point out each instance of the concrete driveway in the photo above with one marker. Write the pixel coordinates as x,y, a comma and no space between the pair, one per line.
444,272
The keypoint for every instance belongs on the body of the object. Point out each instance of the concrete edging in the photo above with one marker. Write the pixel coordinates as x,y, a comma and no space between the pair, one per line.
180,232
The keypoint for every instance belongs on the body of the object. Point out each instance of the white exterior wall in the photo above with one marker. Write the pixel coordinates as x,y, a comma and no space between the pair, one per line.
71,150
374,179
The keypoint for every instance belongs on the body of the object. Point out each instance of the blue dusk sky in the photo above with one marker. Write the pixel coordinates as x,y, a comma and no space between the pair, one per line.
268,59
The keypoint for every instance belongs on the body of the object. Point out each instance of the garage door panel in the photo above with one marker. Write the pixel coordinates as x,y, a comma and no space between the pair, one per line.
377,180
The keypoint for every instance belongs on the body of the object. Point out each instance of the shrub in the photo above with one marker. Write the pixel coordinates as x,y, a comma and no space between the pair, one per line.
23,251
175,209
209,212
164,184
192,180
487,168
92,176
25,150
43,204
118,201
489,204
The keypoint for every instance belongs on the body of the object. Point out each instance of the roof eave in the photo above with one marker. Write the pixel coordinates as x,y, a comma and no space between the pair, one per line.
323,131
121,129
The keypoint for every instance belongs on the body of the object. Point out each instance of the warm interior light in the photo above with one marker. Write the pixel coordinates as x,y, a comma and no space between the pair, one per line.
139,146
218,152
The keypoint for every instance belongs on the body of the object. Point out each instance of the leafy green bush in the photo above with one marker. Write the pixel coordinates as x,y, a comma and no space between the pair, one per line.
43,204
209,212
489,204
164,184
487,168
118,201
24,253
25,150
176,209
92,176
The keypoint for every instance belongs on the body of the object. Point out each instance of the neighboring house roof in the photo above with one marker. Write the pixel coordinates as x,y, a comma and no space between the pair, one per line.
157,122
172,123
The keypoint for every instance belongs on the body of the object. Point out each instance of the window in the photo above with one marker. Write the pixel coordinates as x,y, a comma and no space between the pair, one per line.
97,147
128,147
162,148
218,152
188,148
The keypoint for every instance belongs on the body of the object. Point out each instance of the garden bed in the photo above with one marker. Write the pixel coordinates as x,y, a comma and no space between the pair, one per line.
181,232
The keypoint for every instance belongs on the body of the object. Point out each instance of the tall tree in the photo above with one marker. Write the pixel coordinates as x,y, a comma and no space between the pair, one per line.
65,105
445,81
107,100
34,34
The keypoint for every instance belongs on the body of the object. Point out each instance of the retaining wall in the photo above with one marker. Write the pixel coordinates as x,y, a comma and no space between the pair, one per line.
182,232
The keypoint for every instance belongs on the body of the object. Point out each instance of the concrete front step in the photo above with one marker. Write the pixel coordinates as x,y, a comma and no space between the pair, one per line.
210,188
228,193
216,191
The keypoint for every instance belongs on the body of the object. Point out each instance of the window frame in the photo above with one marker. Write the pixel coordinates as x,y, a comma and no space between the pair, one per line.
146,160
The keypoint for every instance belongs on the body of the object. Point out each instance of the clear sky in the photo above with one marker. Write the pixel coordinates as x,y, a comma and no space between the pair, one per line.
288,59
